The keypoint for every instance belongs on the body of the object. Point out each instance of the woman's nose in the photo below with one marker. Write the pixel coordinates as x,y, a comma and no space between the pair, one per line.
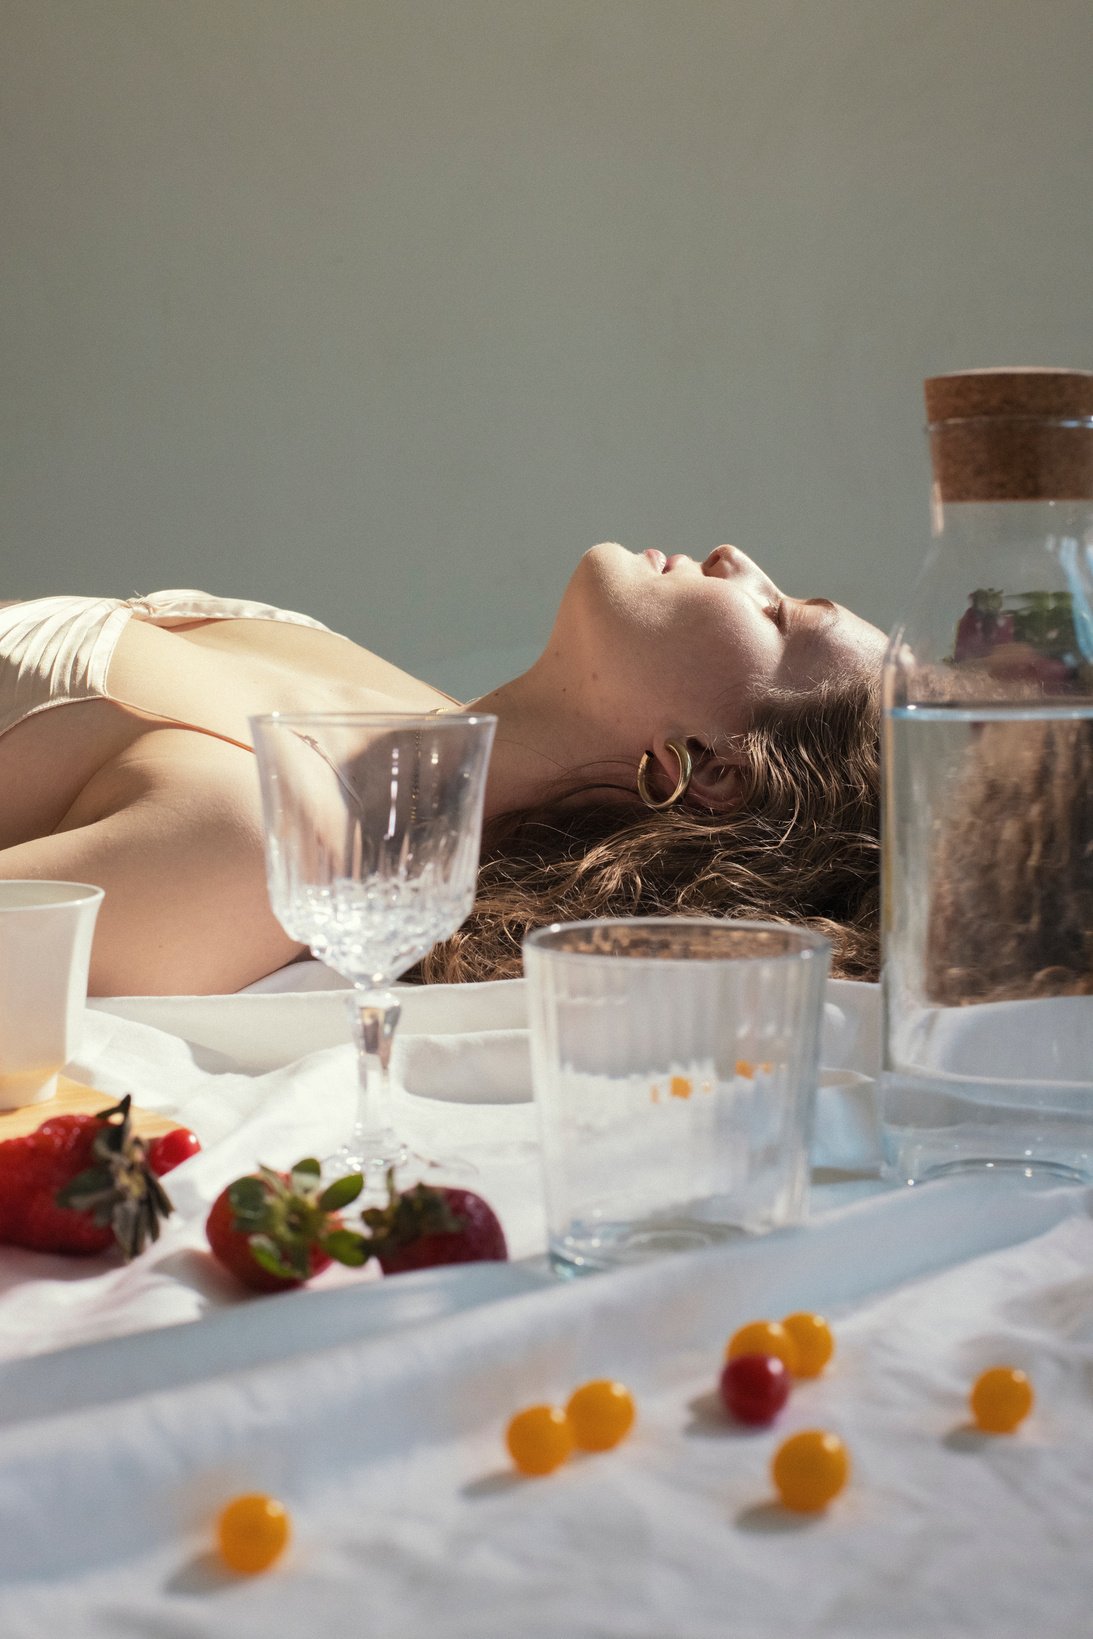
726,561
729,563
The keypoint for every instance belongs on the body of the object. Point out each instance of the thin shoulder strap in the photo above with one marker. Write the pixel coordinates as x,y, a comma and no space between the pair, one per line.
179,722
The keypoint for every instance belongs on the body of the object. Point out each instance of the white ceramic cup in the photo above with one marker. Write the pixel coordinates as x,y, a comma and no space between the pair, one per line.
46,929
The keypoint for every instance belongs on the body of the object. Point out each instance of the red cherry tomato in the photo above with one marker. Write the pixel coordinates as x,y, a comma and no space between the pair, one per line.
169,1150
755,1387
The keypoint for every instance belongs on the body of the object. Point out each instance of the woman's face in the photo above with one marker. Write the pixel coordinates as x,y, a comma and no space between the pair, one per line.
702,640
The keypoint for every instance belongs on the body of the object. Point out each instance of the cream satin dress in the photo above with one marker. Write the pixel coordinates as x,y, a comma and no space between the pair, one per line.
57,650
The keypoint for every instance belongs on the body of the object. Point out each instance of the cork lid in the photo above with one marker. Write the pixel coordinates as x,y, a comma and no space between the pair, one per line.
1057,393
1012,434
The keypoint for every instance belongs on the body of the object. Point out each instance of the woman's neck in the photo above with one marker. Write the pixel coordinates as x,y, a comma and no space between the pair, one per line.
544,747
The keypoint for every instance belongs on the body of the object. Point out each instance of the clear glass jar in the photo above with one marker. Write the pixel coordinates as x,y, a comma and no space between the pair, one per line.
988,792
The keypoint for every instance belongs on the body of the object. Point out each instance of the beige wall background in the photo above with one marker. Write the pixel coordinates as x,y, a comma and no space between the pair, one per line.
387,309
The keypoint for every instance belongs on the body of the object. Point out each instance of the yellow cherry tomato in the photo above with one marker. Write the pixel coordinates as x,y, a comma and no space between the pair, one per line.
764,1337
252,1532
539,1439
601,1413
1000,1399
809,1469
815,1344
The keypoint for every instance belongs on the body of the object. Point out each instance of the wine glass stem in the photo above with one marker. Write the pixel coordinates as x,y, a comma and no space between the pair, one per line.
375,1014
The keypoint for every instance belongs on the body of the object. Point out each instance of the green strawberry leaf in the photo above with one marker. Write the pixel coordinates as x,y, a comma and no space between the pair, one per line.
118,1190
345,1247
249,1201
341,1192
266,1254
86,1189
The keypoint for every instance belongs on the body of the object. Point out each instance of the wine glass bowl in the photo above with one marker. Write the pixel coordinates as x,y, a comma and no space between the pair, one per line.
372,826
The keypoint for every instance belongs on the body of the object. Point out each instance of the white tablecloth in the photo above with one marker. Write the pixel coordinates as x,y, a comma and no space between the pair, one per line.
135,1400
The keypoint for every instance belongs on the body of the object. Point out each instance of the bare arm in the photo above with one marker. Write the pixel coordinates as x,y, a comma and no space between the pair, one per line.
175,840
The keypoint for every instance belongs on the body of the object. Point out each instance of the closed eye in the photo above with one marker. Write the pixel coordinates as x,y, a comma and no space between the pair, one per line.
777,613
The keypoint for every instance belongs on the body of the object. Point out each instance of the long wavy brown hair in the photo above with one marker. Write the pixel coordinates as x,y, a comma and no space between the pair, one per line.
800,846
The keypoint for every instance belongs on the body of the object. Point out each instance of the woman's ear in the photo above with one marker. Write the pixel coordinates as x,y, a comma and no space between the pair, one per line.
717,780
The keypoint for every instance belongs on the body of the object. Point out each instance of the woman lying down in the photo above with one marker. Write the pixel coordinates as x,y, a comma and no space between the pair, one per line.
691,740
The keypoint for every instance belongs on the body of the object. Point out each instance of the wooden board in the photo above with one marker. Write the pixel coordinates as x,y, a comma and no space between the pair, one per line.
73,1098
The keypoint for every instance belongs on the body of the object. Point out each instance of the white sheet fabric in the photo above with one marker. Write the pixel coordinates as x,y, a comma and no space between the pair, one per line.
135,1401
462,1059
388,1452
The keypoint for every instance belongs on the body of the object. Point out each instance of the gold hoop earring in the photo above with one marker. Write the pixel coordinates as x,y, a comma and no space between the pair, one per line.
683,758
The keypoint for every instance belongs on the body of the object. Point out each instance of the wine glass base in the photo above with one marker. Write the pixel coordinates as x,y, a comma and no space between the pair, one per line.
372,1158
379,1162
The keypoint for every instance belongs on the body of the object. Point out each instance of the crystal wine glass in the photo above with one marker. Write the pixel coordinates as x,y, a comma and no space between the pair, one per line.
373,825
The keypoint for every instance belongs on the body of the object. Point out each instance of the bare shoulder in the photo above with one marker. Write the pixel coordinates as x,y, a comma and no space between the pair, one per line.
48,758
171,829
181,769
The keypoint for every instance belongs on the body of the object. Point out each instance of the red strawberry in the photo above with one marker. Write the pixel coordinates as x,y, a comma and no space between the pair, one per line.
275,1230
79,1184
432,1224
170,1149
